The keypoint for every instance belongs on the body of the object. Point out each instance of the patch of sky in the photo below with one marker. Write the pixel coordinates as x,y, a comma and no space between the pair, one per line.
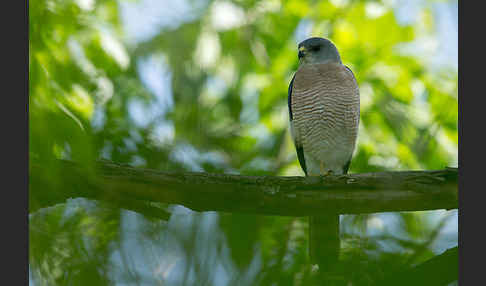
448,235
407,11
163,133
303,30
193,159
249,113
389,224
249,94
98,118
140,255
265,138
215,89
156,76
144,19
31,281
106,151
226,15
162,259
439,48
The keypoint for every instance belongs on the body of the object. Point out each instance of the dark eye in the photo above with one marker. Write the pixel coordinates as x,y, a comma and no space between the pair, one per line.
316,48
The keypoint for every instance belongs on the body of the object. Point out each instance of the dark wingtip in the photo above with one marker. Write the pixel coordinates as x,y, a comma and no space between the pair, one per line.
346,166
289,99
301,157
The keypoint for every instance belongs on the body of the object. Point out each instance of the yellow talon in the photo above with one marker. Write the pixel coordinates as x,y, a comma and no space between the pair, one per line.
323,172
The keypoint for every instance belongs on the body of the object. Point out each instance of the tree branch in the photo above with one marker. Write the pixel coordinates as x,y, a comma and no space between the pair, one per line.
269,195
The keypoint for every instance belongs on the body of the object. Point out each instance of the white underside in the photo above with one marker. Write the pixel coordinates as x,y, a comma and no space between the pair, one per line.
332,160
331,156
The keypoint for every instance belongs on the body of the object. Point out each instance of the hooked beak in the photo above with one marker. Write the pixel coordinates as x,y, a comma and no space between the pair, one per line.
301,52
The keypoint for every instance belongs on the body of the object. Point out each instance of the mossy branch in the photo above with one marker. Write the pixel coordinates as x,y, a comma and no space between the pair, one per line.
267,195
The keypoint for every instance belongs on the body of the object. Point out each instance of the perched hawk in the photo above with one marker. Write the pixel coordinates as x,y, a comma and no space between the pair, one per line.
323,100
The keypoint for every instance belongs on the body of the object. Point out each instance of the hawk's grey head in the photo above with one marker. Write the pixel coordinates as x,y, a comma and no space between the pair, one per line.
318,51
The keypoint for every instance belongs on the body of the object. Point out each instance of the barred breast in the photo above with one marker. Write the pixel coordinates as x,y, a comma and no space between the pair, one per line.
325,110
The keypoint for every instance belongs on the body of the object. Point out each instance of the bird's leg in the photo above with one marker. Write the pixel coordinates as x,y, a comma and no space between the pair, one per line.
323,170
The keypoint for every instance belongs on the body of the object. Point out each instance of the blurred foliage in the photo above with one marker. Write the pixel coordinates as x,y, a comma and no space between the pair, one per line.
208,92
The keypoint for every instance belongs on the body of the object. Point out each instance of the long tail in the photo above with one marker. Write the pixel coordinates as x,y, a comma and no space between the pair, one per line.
324,241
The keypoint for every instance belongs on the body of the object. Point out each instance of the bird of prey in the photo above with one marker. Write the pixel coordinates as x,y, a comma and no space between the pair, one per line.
323,99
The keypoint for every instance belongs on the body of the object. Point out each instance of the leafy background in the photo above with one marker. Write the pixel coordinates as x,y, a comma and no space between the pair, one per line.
202,86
